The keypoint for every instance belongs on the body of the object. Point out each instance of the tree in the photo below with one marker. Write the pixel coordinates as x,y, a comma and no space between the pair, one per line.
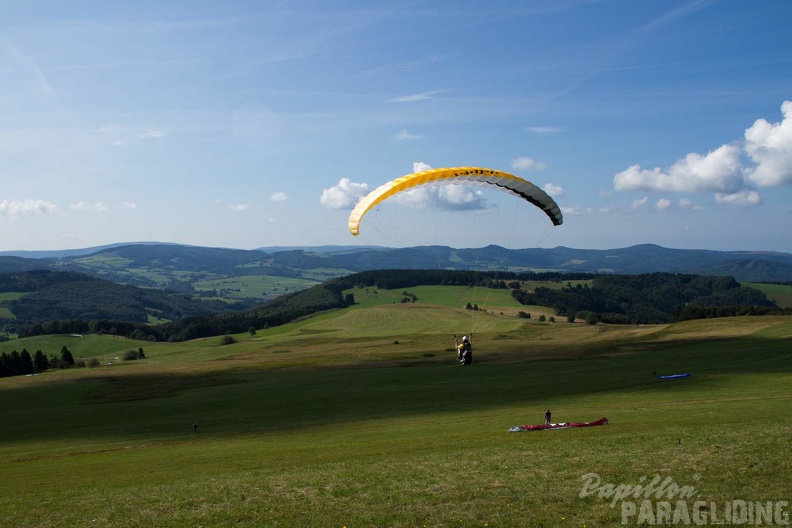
40,361
252,330
141,354
26,362
571,318
67,356
541,318
5,365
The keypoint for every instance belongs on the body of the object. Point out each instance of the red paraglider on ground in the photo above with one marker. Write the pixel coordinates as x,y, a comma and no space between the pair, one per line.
563,425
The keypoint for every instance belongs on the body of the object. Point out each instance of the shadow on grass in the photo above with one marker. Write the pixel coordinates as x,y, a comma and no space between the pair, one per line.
145,407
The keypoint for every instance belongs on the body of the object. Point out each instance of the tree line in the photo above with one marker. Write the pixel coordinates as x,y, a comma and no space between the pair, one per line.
22,363
650,298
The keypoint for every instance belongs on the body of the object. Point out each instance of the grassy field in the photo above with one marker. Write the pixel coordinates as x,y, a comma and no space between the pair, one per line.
253,286
781,294
331,422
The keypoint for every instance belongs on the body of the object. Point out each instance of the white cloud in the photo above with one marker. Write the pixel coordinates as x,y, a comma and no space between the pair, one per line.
553,190
26,207
152,134
606,193
577,210
443,197
118,135
420,166
743,198
720,171
97,207
460,197
663,204
605,210
278,197
403,135
238,208
542,129
637,204
770,147
526,163
423,96
344,195
685,203
129,205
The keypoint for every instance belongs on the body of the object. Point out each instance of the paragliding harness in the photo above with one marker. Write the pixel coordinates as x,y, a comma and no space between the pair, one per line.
465,351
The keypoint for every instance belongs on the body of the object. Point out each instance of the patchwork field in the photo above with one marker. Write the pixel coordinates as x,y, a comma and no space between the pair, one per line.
361,417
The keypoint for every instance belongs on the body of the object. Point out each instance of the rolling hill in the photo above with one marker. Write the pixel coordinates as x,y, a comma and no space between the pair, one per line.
168,265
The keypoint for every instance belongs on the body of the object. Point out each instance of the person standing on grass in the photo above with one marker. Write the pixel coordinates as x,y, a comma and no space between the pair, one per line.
195,427
548,417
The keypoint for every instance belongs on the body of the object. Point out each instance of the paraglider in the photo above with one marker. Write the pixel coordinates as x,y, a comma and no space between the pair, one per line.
491,178
464,349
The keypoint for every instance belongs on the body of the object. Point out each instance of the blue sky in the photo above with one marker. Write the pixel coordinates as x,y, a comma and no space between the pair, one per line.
252,124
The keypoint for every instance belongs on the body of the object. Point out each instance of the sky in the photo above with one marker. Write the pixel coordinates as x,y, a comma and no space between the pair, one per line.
248,124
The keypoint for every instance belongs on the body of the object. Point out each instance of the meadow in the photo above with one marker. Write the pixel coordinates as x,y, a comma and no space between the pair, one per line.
361,417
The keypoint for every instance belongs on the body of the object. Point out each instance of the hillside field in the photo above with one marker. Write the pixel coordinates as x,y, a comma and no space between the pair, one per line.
361,417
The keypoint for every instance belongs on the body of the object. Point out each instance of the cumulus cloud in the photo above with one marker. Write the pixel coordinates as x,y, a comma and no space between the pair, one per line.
767,145
278,197
81,206
26,207
129,205
663,204
526,163
460,197
238,208
420,166
637,204
343,195
685,203
770,147
745,197
553,190
444,197
719,171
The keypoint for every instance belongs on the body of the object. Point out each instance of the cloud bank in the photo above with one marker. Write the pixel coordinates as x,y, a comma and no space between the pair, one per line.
721,171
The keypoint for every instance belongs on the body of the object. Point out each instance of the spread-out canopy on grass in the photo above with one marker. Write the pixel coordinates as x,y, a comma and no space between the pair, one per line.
563,425
491,178
674,376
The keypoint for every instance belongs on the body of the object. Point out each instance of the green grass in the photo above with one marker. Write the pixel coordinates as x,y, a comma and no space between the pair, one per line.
87,346
326,422
781,294
253,286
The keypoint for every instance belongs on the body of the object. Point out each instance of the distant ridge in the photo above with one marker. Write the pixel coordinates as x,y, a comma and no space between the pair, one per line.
333,261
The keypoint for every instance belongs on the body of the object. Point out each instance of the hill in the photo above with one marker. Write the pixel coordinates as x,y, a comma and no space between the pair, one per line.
34,297
169,265
653,298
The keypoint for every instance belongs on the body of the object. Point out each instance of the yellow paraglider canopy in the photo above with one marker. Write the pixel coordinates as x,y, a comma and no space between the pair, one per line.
499,180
